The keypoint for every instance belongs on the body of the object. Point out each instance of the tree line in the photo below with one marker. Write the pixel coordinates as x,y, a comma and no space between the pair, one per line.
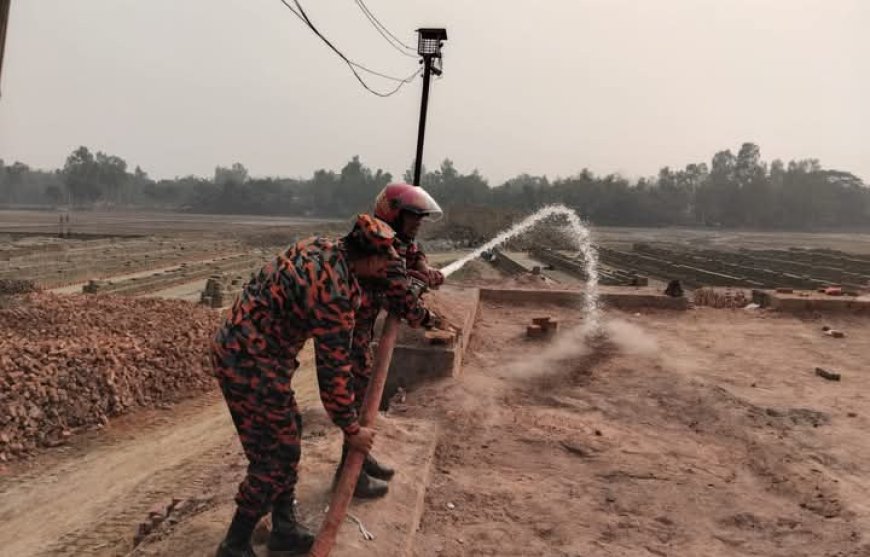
732,190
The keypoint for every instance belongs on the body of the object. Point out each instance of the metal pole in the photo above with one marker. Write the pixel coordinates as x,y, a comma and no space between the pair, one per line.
4,21
421,132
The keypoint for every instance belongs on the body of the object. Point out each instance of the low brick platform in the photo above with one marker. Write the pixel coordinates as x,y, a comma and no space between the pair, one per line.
419,355
622,297
806,301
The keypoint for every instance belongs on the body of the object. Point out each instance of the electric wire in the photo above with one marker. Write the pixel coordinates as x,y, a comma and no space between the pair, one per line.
394,41
299,12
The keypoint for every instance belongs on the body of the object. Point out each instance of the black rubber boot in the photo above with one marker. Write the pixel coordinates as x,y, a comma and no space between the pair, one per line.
288,537
371,466
367,487
238,540
377,469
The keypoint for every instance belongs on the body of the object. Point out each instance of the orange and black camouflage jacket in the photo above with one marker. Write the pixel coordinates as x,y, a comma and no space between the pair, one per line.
306,292
395,295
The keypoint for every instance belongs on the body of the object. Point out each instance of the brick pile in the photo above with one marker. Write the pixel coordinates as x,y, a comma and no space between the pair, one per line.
69,363
221,290
721,300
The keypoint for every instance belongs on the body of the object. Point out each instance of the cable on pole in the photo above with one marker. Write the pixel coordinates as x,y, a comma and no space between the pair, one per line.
299,12
394,41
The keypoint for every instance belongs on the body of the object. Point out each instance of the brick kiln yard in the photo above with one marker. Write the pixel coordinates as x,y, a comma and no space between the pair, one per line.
698,432
683,432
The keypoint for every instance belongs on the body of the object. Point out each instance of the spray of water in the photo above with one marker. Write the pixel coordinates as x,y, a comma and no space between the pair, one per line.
582,239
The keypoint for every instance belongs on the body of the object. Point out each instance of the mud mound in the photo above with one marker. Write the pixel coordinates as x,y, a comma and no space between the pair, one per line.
70,363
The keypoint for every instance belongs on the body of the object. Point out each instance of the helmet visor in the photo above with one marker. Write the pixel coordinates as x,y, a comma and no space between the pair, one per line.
418,201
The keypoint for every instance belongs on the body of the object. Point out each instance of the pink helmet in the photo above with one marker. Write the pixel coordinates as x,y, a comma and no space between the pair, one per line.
405,197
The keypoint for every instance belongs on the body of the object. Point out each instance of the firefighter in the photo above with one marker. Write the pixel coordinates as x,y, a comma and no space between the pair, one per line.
404,207
309,291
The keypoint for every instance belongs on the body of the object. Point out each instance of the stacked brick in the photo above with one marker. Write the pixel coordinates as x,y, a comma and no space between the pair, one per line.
221,291
718,299
69,363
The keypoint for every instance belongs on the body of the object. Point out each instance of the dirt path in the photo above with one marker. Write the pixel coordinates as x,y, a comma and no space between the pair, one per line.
82,503
189,291
703,433
87,498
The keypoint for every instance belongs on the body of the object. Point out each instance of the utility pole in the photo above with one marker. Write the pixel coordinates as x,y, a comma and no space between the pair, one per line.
429,47
4,22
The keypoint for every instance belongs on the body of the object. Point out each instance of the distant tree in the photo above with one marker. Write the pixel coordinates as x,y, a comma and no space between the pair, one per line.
718,199
529,190
448,186
111,176
755,194
733,191
692,179
324,186
236,174
81,176
14,178
54,194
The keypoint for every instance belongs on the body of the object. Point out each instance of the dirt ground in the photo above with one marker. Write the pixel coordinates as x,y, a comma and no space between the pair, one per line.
142,222
851,241
701,433
696,433
156,222
705,433
87,498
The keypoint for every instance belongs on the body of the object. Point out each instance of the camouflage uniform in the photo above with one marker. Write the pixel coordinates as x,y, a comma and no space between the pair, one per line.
306,292
395,295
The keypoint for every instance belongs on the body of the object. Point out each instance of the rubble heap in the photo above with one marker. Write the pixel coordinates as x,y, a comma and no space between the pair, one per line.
71,362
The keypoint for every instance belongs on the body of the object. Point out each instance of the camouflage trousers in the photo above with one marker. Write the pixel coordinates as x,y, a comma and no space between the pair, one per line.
269,426
361,356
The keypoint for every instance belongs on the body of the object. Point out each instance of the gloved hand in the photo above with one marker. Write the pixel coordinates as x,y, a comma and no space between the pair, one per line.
430,276
433,320
436,278
419,275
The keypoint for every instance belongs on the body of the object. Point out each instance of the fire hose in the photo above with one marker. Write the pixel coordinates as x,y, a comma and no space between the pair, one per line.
343,492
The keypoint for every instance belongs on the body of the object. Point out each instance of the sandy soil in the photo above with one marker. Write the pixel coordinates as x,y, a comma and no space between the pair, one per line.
156,222
190,291
704,433
141,222
410,445
696,433
88,498
852,241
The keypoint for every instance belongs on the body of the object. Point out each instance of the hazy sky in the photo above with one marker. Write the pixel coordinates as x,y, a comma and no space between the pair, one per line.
548,87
